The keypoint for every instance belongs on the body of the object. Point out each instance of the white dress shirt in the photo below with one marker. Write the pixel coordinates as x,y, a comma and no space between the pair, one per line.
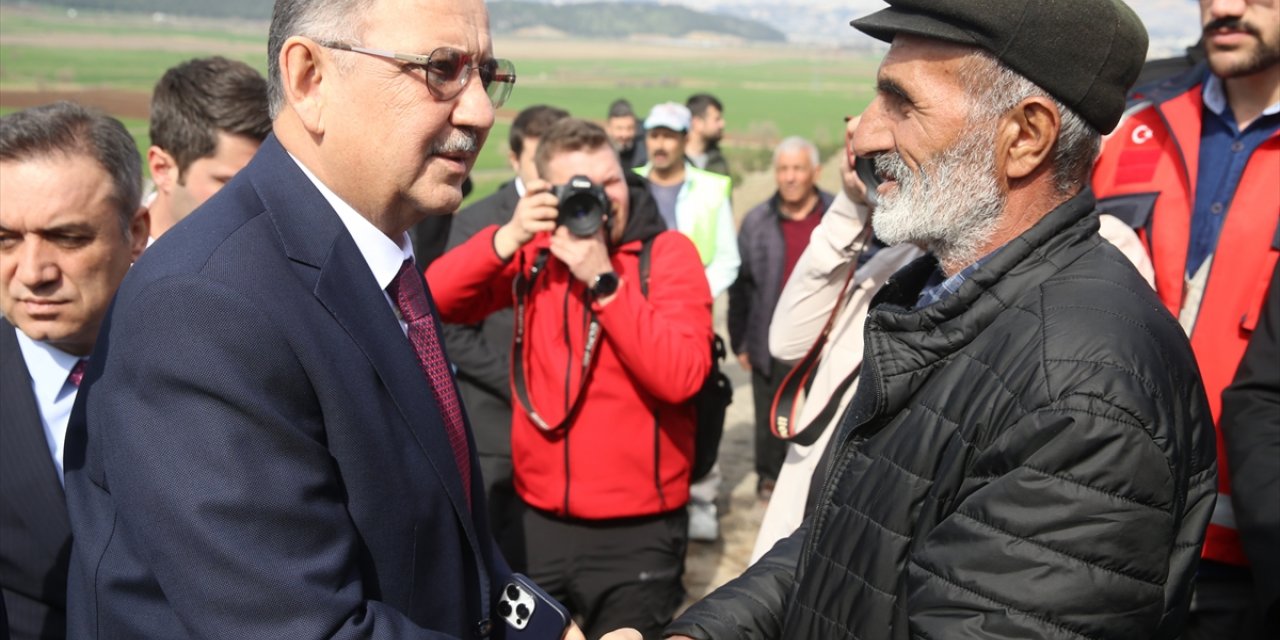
49,369
383,256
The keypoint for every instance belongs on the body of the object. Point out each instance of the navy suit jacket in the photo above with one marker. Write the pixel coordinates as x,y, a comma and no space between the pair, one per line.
35,537
256,453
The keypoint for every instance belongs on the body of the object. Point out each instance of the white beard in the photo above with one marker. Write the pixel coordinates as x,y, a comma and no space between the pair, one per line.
951,205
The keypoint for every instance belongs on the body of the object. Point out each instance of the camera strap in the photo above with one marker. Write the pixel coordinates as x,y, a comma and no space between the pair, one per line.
789,399
522,286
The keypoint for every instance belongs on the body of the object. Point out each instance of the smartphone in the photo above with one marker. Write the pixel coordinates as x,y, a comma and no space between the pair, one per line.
529,612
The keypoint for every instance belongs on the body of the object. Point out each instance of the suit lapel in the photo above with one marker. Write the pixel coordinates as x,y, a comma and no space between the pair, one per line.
313,235
27,472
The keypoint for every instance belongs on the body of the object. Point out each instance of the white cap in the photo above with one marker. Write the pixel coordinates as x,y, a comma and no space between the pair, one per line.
668,115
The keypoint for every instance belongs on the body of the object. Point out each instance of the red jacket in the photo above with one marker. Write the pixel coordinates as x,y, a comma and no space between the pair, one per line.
627,451
1147,174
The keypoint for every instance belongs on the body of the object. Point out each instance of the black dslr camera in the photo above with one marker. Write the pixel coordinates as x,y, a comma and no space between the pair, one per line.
583,206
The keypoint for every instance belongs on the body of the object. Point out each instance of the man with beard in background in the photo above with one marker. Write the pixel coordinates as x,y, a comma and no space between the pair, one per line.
1194,169
1029,452
623,126
706,128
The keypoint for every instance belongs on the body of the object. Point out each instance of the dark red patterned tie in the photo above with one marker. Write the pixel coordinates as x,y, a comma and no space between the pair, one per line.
77,373
410,295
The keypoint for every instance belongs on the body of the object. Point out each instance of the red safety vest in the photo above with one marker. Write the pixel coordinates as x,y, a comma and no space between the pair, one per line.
1147,175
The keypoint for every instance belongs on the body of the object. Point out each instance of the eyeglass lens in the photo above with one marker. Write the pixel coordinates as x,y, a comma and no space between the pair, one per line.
448,71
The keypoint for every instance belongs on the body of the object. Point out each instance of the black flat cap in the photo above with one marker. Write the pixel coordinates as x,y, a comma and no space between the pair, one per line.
1085,53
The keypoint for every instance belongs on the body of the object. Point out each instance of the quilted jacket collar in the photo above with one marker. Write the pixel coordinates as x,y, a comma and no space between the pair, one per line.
904,345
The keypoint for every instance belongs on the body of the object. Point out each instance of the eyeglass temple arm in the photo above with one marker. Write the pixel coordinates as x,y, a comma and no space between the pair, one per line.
381,53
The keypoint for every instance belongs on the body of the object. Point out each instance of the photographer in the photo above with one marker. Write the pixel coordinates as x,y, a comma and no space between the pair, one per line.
604,365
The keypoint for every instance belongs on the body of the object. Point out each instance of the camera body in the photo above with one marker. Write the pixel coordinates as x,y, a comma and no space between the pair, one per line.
583,206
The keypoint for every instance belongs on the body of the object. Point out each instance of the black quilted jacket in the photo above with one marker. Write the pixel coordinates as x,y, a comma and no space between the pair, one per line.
1031,457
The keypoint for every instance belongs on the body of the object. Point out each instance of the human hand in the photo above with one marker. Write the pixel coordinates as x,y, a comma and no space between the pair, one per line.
573,632
745,361
626,634
853,185
536,212
586,257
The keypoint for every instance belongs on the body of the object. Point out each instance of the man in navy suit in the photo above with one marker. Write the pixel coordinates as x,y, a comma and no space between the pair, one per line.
269,443
70,225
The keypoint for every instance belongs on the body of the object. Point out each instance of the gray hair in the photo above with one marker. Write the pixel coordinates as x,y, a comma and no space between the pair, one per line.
796,143
65,129
338,20
995,88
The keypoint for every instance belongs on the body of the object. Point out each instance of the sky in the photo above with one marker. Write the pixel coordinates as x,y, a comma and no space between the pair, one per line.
1172,24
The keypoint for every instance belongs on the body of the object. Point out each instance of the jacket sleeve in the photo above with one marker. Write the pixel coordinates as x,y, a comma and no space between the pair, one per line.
1064,527
663,340
1251,427
253,506
740,296
470,281
723,269
469,349
811,293
751,606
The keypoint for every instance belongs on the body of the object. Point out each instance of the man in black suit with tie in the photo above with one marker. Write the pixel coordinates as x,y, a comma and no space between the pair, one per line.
270,443
70,225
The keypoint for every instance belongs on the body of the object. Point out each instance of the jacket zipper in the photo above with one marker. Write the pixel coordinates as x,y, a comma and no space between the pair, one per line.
568,380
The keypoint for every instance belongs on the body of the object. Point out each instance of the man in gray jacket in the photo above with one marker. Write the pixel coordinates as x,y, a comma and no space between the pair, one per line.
773,235
1029,453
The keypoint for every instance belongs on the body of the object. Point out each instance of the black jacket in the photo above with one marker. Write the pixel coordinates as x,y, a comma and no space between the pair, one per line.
1032,457
1251,429
35,533
715,162
759,285
482,352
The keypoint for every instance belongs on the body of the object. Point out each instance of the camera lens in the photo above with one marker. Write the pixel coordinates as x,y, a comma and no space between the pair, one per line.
582,207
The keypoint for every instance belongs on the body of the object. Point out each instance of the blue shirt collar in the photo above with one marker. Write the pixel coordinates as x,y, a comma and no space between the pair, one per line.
1214,94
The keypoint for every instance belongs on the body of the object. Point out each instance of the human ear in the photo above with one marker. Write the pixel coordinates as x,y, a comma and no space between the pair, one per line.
164,169
302,72
139,232
1027,136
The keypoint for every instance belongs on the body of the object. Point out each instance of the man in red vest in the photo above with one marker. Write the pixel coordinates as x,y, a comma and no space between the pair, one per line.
1194,168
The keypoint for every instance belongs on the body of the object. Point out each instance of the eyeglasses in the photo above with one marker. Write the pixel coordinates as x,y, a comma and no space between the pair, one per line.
448,70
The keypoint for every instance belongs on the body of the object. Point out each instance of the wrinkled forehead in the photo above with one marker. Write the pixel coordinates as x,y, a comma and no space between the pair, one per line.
424,25
53,189
796,156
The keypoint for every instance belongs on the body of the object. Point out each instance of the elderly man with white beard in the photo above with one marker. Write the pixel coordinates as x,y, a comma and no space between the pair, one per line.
1029,453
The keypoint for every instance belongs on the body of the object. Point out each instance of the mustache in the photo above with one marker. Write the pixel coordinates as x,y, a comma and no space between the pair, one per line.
890,165
1231,22
459,141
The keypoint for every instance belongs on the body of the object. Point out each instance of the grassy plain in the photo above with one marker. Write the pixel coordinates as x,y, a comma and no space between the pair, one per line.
769,91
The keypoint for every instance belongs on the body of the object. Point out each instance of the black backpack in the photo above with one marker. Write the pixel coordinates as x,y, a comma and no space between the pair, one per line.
711,401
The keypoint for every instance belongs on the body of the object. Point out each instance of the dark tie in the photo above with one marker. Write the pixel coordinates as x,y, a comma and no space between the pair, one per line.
411,297
77,373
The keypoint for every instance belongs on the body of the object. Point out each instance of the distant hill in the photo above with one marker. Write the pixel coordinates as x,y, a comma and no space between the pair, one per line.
620,20
243,9
588,20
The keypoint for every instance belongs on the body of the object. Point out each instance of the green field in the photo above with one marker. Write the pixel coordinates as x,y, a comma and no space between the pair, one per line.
768,92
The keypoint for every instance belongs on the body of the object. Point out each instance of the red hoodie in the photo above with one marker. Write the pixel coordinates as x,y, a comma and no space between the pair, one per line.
628,450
